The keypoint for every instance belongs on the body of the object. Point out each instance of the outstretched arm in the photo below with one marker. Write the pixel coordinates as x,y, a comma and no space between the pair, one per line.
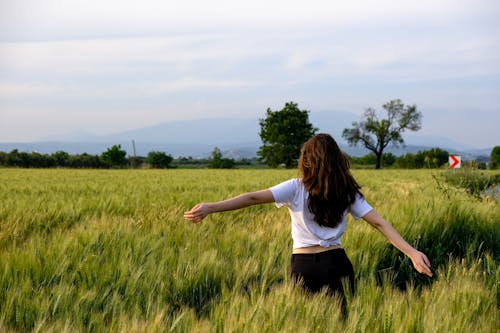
419,260
201,210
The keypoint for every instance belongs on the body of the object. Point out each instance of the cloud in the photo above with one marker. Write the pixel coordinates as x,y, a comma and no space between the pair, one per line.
163,59
56,19
28,90
190,84
156,65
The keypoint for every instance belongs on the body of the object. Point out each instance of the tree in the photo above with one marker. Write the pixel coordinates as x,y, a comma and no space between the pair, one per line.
388,159
406,161
495,157
217,162
433,158
61,158
115,157
375,134
159,160
283,133
370,159
3,158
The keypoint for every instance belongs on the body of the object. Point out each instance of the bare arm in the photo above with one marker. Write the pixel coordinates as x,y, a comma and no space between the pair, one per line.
201,210
419,260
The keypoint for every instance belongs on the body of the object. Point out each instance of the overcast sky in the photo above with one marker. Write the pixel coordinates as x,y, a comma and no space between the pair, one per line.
108,66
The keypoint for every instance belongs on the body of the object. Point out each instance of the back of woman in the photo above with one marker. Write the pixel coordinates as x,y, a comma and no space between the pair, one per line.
318,204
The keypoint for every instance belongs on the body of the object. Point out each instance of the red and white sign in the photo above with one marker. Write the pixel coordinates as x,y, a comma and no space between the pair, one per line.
455,161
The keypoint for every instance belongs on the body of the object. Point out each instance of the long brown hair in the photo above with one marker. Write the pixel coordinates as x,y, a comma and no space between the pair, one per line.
326,176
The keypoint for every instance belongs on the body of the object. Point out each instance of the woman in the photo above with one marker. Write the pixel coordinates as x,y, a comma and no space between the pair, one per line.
318,204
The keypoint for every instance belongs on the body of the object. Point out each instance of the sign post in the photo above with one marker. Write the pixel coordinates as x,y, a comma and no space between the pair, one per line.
455,161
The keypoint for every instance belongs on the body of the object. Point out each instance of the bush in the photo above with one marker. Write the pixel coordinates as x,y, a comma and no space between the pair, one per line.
115,157
473,181
85,161
159,160
495,158
433,158
218,162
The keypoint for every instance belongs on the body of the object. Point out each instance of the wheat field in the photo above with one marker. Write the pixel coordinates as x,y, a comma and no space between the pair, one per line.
108,250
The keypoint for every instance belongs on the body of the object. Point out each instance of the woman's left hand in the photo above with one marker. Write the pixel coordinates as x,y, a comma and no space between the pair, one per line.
421,263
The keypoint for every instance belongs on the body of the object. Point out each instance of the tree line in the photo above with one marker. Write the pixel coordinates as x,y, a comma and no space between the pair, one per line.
432,158
115,157
282,133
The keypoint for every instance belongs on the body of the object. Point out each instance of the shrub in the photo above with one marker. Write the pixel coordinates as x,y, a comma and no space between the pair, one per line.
218,162
159,160
495,157
474,181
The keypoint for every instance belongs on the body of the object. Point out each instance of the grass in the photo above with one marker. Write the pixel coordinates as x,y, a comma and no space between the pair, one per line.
94,250
475,182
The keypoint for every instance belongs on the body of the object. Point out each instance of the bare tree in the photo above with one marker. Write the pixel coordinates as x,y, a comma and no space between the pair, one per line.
376,134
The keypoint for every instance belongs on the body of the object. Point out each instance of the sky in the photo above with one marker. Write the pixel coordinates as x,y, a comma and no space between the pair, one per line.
109,66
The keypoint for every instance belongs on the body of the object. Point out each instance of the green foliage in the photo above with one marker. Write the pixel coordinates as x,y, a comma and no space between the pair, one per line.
115,157
61,158
388,159
454,232
26,160
495,158
376,134
86,161
159,160
58,159
473,181
216,160
108,250
283,132
433,158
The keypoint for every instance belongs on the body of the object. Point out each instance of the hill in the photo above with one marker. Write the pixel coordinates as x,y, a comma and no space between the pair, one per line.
237,138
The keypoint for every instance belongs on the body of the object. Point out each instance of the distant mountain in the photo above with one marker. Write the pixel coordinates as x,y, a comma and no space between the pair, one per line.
230,131
79,135
221,131
237,138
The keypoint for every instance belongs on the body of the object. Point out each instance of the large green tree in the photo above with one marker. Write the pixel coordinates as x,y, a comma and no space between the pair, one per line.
283,132
115,156
377,133
495,157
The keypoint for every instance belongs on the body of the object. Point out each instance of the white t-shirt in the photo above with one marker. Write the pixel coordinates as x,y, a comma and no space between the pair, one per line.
305,231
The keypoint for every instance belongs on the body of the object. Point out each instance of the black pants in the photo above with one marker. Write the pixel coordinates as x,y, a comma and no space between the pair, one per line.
328,269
